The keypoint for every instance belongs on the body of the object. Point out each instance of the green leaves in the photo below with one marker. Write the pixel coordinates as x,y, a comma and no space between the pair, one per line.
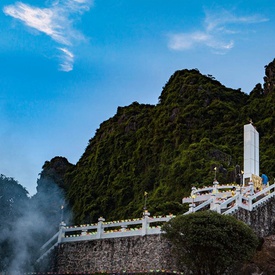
209,243
13,204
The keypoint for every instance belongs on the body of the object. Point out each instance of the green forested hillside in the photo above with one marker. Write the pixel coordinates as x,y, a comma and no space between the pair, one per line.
166,148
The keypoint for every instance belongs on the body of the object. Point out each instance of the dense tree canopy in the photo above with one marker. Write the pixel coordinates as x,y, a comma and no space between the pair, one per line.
210,243
13,204
26,223
161,149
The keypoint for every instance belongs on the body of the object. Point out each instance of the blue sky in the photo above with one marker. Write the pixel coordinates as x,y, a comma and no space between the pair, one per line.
66,65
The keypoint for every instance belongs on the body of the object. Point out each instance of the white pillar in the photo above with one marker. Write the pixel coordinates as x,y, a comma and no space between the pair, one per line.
251,152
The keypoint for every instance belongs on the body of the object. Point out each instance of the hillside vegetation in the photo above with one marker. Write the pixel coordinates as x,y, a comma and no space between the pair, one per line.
166,148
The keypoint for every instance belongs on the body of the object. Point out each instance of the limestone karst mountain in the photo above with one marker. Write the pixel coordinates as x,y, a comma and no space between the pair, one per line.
166,148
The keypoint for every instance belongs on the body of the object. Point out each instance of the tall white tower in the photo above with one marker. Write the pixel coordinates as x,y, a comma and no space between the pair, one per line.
251,152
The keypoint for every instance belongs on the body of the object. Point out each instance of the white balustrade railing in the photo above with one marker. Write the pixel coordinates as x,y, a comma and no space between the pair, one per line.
226,202
222,202
125,228
194,208
252,201
49,246
221,191
105,230
229,206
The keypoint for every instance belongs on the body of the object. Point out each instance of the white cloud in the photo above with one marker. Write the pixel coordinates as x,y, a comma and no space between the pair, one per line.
183,41
56,21
44,20
67,60
217,32
224,19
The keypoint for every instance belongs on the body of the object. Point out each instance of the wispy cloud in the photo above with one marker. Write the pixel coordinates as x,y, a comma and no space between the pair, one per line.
56,21
218,32
68,58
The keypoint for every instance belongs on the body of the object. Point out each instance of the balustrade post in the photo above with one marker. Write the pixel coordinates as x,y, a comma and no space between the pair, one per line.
250,203
61,232
251,193
251,188
145,223
218,206
193,196
100,228
215,191
239,198
191,207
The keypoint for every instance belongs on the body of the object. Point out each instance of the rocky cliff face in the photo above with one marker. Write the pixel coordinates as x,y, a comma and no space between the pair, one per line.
264,260
269,79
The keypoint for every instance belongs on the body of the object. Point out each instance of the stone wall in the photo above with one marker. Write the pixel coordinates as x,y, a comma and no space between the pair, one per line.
144,253
133,254
261,219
